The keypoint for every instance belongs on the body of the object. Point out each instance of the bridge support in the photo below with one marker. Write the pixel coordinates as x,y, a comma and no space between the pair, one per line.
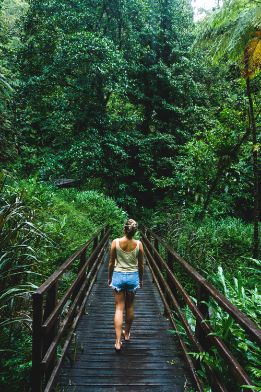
37,349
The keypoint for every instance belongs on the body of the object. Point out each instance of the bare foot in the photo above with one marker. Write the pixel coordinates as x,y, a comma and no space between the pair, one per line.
118,346
126,336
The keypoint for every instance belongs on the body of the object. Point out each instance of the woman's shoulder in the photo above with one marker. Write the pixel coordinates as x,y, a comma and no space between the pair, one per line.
114,242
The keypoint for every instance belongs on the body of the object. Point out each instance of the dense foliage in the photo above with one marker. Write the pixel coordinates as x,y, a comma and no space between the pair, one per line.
246,296
40,227
111,96
157,118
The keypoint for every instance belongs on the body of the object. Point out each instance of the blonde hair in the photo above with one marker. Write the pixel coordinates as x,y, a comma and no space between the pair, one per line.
130,228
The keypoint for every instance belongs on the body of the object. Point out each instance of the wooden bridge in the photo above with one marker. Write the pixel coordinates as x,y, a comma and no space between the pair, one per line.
80,325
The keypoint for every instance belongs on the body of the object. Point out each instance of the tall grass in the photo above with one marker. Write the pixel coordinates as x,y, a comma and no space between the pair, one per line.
40,227
247,298
220,249
206,245
22,237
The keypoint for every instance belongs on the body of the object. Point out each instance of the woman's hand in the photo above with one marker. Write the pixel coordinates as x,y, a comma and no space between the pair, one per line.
112,261
141,284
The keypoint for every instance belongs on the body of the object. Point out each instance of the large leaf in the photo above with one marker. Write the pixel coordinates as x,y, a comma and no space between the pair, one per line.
251,59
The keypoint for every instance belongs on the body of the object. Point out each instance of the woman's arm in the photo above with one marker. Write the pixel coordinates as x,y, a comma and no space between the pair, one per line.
140,264
112,261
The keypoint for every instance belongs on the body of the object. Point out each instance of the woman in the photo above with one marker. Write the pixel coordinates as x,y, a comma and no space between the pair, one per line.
125,277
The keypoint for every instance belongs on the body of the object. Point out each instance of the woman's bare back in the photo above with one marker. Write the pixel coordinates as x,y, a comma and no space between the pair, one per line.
127,245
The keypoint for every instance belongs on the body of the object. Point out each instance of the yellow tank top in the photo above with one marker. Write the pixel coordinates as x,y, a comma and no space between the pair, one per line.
126,261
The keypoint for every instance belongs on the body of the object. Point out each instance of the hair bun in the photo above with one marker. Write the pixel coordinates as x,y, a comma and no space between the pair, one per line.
130,228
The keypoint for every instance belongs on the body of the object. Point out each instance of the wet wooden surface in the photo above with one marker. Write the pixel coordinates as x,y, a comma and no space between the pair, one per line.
150,361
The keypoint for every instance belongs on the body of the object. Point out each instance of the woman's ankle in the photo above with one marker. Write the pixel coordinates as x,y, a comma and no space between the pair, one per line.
126,335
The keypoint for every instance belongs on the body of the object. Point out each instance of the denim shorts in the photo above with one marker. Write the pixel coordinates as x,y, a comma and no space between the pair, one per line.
125,281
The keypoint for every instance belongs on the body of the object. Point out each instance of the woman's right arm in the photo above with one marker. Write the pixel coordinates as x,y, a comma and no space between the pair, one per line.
112,261
140,264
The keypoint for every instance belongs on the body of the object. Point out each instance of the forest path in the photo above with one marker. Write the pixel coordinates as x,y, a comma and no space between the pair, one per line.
150,361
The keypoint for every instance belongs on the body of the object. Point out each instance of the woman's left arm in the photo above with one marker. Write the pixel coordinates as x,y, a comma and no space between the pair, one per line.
112,261
140,264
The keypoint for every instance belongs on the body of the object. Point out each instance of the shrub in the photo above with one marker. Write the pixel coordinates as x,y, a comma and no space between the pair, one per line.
40,227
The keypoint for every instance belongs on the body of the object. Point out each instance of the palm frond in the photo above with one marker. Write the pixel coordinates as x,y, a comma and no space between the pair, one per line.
228,29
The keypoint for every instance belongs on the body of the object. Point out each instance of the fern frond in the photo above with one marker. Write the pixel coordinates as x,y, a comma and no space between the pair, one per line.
255,371
229,28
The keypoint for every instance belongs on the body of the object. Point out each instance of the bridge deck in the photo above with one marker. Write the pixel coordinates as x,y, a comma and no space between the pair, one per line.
150,361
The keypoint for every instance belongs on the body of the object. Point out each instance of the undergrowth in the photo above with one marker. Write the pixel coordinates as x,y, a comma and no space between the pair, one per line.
40,227
244,349
206,245
220,250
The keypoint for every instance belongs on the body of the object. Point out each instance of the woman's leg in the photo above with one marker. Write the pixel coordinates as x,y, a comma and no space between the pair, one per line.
129,314
118,318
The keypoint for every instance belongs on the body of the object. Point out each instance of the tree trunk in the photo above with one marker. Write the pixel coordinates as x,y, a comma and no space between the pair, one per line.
220,173
213,187
255,169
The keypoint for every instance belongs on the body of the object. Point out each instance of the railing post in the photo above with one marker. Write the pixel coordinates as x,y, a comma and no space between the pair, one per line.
81,264
169,280
202,295
156,246
37,374
42,340
150,249
79,285
101,237
95,244
102,234
142,230
148,235
51,302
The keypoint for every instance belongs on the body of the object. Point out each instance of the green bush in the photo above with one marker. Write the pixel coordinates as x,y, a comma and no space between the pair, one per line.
219,249
205,245
22,238
247,297
82,213
40,227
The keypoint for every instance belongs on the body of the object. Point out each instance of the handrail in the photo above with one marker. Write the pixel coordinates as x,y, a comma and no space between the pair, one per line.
62,269
248,325
205,337
46,311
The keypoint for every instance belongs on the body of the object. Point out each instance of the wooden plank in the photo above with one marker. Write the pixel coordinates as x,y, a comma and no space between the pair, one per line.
118,388
69,339
148,365
150,361
121,373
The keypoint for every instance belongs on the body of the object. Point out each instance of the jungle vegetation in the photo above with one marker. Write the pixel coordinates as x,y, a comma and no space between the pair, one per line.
155,117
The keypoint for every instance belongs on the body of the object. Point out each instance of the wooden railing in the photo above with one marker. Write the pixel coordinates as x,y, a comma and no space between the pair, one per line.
204,337
47,334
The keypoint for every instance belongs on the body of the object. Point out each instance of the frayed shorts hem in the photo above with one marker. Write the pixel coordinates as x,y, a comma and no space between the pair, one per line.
127,290
128,281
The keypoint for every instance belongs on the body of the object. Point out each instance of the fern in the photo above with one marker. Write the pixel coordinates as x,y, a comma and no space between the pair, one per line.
228,29
255,371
